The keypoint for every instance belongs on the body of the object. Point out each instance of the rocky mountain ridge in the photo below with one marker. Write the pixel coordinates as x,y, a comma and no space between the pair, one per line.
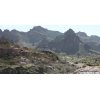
68,42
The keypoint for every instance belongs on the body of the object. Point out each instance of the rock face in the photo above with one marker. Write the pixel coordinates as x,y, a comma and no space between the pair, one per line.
68,43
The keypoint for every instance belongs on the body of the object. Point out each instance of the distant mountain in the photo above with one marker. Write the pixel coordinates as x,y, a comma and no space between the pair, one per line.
82,34
94,38
93,41
31,37
69,43
49,34
85,38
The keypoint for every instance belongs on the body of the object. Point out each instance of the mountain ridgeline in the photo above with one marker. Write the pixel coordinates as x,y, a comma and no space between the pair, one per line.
68,42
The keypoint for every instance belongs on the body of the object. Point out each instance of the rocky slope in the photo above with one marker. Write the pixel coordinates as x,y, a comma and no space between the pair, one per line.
21,60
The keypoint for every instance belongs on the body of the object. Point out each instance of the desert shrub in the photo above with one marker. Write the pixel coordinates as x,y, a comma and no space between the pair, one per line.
76,62
89,64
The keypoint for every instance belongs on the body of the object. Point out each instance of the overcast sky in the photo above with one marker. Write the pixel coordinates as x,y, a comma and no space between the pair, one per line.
59,15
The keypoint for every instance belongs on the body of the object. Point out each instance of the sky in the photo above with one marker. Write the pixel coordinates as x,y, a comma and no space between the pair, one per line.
58,15
89,29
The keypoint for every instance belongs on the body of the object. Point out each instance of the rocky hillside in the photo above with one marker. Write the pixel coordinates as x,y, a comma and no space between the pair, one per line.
21,60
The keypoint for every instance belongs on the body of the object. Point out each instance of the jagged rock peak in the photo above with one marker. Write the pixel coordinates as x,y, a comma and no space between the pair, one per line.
70,33
6,31
38,28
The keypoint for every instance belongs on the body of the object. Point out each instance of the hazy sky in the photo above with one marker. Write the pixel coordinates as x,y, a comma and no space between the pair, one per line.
57,15
89,29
